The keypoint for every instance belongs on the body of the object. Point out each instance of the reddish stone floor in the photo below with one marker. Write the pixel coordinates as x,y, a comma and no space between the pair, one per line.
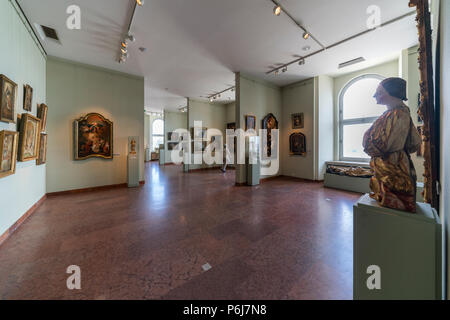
284,239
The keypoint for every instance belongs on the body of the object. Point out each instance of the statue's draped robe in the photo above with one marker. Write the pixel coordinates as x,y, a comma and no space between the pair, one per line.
389,143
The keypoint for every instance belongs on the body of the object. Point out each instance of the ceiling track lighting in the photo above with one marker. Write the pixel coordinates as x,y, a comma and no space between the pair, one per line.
128,37
306,35
277,10
219,94
301,60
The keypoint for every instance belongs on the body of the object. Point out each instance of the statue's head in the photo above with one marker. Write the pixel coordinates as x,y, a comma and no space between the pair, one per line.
391,92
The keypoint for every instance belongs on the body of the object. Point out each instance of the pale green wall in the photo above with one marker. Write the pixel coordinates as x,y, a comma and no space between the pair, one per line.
231,112
258,98
445,131
298,98
173,121
21,61
73,90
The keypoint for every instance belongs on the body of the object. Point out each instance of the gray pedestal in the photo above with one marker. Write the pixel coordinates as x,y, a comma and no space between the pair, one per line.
406,247
133,170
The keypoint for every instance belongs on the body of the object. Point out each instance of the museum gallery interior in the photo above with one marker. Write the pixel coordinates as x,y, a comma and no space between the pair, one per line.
224,149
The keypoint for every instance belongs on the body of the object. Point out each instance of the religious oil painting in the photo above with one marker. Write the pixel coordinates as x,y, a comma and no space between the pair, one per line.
27,97
42,114
42,157
250,122
298,121
8,97
269,123
93,137
8,152
297,144
29,137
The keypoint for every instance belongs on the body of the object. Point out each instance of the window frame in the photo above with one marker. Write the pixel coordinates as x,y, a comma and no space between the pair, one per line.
343,122
157,135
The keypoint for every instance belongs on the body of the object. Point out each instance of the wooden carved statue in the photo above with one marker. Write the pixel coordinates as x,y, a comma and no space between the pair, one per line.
389,143
426,108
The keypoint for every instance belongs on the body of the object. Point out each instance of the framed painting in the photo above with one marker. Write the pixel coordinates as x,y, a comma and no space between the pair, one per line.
268,123
8,97
250,122
42,155
42,114
9,141
93,137
29,137
231,125
298,121
199,133
172,145
173,136
297,144
27,97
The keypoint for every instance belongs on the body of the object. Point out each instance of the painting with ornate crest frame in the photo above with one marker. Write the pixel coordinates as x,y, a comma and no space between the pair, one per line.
9,141
93,135
29,137
8,99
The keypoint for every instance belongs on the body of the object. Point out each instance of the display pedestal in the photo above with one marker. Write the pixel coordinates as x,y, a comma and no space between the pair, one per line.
133,171
406,247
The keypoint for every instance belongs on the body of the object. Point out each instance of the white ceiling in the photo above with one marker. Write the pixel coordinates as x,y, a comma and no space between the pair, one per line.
195,46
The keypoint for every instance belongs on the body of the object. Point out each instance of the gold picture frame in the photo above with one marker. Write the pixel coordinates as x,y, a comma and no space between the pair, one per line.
42,155
29,137
42,115
8,99
27,97
9,142
93,137
298,120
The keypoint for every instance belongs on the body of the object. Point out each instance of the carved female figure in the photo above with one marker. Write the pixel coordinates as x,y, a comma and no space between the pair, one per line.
389,143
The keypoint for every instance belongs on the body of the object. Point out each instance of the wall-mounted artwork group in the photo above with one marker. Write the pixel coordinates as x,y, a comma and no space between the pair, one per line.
30,142
93,137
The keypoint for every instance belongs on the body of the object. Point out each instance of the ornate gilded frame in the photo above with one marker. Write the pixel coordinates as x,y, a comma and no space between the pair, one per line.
427,103
23,136
42,114
4,79
14,153
76,141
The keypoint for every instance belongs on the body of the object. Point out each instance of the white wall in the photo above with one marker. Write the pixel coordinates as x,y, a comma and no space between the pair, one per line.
21,61
445,129
258,98
173,121
73,90
298,98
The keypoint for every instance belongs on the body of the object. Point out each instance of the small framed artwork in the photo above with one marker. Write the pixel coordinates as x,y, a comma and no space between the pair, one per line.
8,98
9,141
172,145
42,114
173,136
250,122
297,144
27,97
231,125
29,137
298,121
93,137
199,133
42,156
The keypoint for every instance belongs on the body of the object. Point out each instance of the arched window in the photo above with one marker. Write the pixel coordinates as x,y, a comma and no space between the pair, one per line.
157,133
358,110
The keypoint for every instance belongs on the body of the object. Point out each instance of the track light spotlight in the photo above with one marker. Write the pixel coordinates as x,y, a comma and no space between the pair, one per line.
301,62
124,44
277,10
284,69
306,35
140,2
124,50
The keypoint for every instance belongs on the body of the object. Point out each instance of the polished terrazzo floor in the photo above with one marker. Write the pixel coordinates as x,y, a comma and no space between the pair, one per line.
284,239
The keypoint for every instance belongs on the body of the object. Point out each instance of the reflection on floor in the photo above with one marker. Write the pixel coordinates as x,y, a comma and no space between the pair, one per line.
284,239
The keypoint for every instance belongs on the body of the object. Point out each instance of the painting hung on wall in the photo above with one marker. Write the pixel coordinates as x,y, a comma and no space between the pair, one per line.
42,156
231,126
199,133
173,136
29,137
297,144
8,97
42,114
250,122
172,145
93,137
27,97
269,123
8,152
298,121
